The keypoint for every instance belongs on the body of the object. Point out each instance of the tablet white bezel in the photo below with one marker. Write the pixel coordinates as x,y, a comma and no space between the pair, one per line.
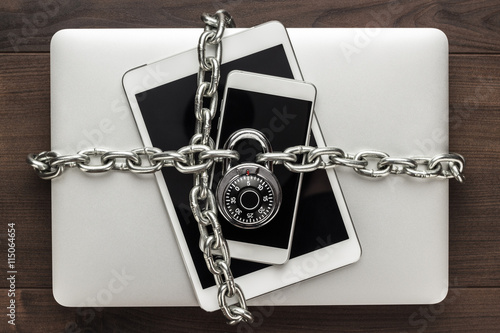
236,46
273,86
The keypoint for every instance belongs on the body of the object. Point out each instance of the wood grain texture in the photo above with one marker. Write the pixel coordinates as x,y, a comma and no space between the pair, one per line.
471,26
24,200
473,29
474,206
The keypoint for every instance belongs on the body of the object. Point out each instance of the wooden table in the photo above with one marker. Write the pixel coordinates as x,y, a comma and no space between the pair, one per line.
473,29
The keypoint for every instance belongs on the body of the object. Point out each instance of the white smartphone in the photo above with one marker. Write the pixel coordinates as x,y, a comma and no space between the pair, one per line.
281,109
161,97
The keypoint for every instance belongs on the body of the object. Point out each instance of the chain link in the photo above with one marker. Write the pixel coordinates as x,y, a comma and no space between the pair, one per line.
199,156
49,165
442,166
201,198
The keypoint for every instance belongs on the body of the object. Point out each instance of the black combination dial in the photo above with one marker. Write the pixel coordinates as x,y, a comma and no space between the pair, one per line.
249,196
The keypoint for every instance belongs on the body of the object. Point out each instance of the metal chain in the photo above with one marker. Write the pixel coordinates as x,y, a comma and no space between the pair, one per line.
308,159
199,156
201,198
49,165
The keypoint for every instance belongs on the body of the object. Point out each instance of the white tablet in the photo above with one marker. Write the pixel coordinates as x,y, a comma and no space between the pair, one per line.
161,96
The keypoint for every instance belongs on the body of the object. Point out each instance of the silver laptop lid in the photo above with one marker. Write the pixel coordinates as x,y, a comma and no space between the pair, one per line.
383,89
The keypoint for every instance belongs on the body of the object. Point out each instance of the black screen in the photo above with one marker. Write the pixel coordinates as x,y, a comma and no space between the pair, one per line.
284,121
168,113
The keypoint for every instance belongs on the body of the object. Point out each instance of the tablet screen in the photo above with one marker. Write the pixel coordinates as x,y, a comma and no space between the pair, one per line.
168,113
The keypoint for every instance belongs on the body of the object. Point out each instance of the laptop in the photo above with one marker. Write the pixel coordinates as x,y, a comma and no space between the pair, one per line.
378,89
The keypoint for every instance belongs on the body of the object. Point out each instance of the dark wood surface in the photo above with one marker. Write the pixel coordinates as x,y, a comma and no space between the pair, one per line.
473,29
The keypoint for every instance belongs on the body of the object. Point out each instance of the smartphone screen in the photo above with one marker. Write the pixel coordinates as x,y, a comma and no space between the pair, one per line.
285,122
168,113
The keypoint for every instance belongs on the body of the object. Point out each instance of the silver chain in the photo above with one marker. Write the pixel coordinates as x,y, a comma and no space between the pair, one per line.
199,156
49,165
307,159
201,198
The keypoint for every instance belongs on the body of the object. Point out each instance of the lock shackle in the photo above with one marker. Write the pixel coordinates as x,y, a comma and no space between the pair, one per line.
248,133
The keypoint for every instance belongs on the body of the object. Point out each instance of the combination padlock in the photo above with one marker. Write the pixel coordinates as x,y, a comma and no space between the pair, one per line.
249,194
